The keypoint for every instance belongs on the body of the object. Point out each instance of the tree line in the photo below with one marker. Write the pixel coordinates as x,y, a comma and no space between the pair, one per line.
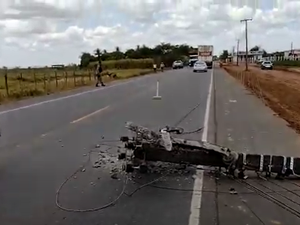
165,52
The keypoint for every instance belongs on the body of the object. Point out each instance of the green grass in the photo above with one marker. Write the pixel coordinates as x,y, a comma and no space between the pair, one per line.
26,83
287,63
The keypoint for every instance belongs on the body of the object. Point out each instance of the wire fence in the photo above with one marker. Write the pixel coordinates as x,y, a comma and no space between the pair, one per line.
22,83
15,84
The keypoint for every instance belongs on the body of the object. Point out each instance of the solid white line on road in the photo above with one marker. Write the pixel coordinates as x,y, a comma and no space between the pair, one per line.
65,97
207,110
89,115
194,218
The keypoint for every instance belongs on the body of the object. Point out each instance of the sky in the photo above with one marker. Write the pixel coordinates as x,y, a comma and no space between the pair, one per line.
46,32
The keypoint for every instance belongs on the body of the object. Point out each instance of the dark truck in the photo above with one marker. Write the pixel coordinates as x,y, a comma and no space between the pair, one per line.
192,62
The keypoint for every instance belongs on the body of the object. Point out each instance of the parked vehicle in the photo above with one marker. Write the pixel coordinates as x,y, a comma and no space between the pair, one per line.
177,64
200,66
266,65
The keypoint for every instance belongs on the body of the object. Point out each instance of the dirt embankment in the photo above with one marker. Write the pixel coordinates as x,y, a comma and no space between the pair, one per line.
280,90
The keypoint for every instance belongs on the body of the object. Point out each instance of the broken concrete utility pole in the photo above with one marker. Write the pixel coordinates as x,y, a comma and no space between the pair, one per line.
148,145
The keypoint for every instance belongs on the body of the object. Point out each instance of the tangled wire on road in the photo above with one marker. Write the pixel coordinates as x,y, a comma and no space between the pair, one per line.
180,131
113,202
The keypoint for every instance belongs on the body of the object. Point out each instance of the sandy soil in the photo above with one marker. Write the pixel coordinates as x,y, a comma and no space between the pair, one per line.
280,90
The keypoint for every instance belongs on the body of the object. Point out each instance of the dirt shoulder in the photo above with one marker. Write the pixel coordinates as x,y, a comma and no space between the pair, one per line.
280,90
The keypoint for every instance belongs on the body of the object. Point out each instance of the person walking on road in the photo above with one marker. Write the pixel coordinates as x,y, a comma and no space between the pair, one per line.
154,67
162,66
98,74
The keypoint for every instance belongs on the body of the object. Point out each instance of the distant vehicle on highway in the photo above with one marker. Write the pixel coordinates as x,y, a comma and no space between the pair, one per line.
178,64
192,62
266,65
200,66
205,53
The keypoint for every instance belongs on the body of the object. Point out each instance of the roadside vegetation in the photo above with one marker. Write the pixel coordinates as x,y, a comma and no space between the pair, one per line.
287,63
19,83
35,82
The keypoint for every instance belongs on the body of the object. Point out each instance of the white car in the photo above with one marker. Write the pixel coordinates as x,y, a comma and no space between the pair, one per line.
177,64
200,66
266,65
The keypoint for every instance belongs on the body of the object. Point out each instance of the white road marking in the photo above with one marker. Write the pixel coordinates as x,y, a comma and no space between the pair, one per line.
65,97
194,218
89,115
207,110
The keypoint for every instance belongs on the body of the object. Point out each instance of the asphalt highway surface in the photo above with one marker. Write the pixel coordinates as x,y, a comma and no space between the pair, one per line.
71,139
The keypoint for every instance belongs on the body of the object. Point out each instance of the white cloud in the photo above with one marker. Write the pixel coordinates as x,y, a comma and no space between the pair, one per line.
34,32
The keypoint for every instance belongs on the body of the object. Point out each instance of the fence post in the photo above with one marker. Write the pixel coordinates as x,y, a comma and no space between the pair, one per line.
82,79
6,83
74,78
21,83
56,81
49,83
44,82
34,80
66,79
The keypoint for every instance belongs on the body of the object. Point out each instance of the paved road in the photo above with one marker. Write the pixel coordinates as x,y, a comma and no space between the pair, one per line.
46,139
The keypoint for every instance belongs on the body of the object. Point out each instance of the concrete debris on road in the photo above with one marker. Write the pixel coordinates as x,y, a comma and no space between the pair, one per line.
83,170
115,170
97,165
200,167
168,168
114,176
232,191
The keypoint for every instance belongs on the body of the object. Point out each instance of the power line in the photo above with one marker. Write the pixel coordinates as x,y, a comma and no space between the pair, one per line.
246,35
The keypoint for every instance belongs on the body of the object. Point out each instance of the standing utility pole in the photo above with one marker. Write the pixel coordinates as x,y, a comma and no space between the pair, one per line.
292,51
237,52
246,34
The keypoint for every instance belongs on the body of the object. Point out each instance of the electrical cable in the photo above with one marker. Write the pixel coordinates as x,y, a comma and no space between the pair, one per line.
113,202
187,114
145,185
150,184
192,132
57,202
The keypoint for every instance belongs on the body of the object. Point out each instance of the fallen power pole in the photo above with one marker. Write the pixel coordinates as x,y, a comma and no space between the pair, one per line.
148,145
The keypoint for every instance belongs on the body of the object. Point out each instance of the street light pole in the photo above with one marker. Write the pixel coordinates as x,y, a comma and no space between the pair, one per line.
246,34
